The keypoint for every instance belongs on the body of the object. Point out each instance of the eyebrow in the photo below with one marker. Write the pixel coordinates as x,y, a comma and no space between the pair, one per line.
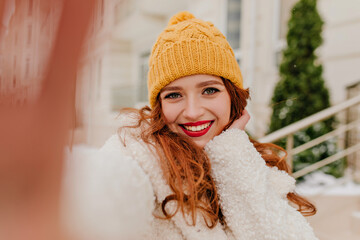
202,84
210,82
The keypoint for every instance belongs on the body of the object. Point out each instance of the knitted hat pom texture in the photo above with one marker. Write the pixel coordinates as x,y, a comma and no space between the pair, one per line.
186,47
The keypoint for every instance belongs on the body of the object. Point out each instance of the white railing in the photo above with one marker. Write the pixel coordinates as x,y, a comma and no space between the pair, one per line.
290,130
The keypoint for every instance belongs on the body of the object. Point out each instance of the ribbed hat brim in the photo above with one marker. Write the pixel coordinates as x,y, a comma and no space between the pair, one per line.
189,57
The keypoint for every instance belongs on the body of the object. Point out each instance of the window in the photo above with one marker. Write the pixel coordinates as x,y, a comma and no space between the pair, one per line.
142,87
123,9
234,23
123,92
120,11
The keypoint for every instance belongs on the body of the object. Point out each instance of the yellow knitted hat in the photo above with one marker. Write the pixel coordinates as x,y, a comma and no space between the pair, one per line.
186,47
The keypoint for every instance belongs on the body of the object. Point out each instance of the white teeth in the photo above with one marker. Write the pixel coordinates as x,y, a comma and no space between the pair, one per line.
197,128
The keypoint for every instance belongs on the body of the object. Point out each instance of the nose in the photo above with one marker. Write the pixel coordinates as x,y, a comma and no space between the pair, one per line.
193,109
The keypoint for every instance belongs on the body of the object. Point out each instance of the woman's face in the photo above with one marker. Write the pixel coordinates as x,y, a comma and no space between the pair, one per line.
197,106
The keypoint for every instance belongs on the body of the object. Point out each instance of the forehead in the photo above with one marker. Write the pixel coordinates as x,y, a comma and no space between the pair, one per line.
198,80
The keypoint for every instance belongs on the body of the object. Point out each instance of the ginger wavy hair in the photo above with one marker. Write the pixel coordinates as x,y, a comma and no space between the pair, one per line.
187,168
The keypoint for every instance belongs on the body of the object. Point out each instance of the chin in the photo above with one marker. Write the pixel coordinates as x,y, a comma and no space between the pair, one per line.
201,143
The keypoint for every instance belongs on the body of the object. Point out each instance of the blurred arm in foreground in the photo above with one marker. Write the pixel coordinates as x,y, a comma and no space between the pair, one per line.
32,137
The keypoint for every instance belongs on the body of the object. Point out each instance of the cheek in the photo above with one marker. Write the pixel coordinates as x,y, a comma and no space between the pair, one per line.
170,113
222,109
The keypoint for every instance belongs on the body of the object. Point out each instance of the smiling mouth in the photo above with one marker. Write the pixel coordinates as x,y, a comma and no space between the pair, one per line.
196,129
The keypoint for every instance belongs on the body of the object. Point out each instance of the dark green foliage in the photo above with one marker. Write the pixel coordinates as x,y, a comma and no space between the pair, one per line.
301,90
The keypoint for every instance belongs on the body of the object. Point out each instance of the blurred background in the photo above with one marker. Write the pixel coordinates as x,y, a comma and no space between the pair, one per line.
264,34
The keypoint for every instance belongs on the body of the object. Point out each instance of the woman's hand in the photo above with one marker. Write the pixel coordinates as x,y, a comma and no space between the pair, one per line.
32,136
242,121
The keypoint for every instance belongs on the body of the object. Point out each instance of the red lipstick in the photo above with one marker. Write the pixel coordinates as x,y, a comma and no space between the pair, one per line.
197,133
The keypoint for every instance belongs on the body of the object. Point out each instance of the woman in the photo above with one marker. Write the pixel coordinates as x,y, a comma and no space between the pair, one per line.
184,168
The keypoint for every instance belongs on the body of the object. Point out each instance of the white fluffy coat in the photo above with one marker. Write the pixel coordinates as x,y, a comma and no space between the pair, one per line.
116,192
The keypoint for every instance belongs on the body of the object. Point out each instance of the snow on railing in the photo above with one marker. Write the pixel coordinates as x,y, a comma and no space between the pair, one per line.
290,130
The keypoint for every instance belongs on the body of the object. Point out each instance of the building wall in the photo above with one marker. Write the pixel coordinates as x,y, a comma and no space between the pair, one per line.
113,73
258,59
263,32
264,37
340,53
94,116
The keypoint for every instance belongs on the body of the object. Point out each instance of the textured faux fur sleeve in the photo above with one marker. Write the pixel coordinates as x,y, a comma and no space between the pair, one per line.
106,195
252,195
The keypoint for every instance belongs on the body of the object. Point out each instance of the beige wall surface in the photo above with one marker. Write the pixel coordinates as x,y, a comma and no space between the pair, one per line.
340,53
128,36
113,73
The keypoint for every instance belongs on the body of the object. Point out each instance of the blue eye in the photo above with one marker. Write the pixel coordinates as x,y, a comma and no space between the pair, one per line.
173,95
210,91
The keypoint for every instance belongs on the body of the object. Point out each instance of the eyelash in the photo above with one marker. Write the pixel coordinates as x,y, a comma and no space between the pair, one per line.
213,91
175,95
172,95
